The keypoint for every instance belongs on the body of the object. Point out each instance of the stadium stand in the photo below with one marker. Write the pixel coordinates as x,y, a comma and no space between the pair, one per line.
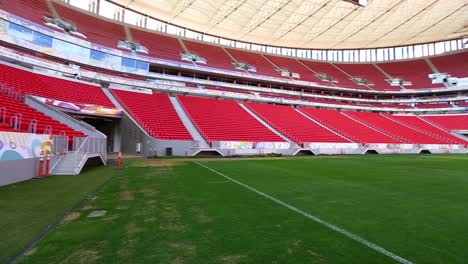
449,122
160,46
256,60
292,65
370,73
106,34
294,125
225,120
433,105
44,123
454,64
155,113
427,128
27,82
216,56
348,127
31,10
415,71
403,132
341,79
399,106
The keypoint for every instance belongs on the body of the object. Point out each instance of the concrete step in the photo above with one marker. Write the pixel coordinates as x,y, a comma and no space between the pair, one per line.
188,123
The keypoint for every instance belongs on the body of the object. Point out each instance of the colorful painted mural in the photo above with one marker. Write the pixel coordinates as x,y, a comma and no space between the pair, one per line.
17,146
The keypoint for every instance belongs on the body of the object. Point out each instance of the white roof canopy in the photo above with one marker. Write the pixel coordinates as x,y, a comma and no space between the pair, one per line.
319,24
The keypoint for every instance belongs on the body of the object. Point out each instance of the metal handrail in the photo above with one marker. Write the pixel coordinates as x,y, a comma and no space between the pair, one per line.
32,127
15,121
48,130
3,111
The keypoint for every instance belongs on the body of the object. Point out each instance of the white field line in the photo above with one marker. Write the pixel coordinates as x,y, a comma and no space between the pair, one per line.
316,219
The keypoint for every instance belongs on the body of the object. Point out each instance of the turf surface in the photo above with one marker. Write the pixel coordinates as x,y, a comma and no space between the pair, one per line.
413,206
28,208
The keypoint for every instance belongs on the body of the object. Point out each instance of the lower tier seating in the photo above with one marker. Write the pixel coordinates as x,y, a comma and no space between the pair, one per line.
348,127
426,127
10,107
405,133
155,113
449,122
27,82
226,120
294,125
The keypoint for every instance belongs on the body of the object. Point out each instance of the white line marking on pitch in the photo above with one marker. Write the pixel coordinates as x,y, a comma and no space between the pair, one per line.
220,182
316,219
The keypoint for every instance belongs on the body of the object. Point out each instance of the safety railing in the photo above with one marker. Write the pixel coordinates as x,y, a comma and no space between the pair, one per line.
86,145
15,121
60,144
3,114
32,127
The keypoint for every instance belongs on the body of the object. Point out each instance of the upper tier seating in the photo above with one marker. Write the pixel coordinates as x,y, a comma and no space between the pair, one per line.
256,60
414,71
342,79
160,46
399,106
462,104
226,120
348,127
433,105
294,125
31,10
449,122
215,56
455,64
405,133
426,127
155,113
99,31
293,65
370,73
13,107
168,47
27,82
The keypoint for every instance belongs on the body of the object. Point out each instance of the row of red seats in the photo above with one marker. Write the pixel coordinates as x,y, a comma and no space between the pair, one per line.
421,125
219,120
433,105
33,10
12,107
99,31
348,127
215,56
403,132
294,125
155,113
449,122
27,82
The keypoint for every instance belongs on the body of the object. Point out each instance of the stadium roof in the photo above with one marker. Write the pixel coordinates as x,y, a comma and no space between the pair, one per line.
320,24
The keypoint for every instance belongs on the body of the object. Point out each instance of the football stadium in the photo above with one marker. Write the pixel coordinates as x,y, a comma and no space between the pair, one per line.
233,131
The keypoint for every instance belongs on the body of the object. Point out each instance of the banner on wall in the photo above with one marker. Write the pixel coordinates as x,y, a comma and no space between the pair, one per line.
88,109
390,146
18,146
333,145
253,145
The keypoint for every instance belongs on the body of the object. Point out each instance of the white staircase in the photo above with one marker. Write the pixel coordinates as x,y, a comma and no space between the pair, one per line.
188,123
71,163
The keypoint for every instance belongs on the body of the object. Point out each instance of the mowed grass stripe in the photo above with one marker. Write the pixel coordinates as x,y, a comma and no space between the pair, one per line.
409,204
316,219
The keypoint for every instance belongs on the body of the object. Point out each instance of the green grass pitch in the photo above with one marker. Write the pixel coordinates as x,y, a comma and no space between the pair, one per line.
415,207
